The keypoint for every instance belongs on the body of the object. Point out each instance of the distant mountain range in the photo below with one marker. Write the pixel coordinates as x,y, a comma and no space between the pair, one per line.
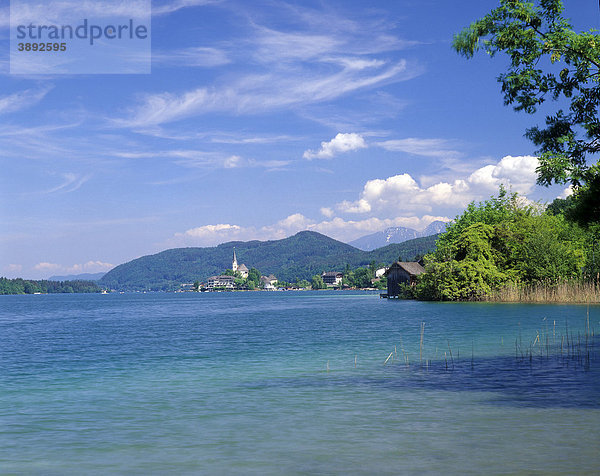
298,257
397,234
78,277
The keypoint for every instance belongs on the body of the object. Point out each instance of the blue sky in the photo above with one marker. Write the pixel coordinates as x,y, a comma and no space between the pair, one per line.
259,119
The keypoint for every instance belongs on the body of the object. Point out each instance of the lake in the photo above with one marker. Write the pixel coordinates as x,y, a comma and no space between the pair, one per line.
296,383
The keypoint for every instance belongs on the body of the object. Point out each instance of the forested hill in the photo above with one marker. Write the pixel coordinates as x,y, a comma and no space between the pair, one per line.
298,257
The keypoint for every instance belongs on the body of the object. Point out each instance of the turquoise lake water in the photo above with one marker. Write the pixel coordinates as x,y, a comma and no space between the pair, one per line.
295,383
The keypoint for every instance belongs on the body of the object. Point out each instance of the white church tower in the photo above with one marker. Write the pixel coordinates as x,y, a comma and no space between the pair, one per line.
234,264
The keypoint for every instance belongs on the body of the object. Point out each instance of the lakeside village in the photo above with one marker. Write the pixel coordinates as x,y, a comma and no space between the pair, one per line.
240,278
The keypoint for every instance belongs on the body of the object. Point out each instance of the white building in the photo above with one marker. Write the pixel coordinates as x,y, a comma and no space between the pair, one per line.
227,282
268,282
332,278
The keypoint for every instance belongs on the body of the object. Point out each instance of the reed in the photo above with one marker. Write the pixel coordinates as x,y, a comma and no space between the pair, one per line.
546,346
568,350
451,358
421,344
404,354
564,291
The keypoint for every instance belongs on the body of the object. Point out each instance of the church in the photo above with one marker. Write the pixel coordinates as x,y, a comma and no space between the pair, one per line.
242,269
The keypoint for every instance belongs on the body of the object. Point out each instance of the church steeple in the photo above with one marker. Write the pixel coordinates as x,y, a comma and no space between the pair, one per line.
234,264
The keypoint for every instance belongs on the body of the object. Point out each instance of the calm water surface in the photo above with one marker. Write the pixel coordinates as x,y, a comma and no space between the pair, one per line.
295,383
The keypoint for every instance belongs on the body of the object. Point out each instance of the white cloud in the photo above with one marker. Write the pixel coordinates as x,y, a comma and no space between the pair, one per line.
89,267
518,172
232,162
339,144
337,228
286,227
567,192
401,194
327,212
208,235
208,229
13,268
437,148
44,266
348,230
378,194
21,100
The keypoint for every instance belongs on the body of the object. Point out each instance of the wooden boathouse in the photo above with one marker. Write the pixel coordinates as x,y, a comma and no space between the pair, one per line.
401,272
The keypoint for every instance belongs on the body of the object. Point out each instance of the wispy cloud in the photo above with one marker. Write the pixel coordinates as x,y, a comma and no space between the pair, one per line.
195,57
21,100
165,7
228,139
439,148
65,11
11,131
205,159
255,94
59,12
280,47
309,63
357,36
71,182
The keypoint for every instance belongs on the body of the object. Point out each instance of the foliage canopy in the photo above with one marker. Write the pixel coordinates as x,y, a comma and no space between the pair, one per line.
503,240
549,60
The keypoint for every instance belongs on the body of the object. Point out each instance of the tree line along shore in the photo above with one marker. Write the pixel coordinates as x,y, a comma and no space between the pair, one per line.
26,286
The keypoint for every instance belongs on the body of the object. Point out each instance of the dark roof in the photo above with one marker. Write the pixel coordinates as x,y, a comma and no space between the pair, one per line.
332,274
411,267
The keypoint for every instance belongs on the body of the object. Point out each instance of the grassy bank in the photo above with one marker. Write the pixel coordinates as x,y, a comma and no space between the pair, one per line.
572,291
